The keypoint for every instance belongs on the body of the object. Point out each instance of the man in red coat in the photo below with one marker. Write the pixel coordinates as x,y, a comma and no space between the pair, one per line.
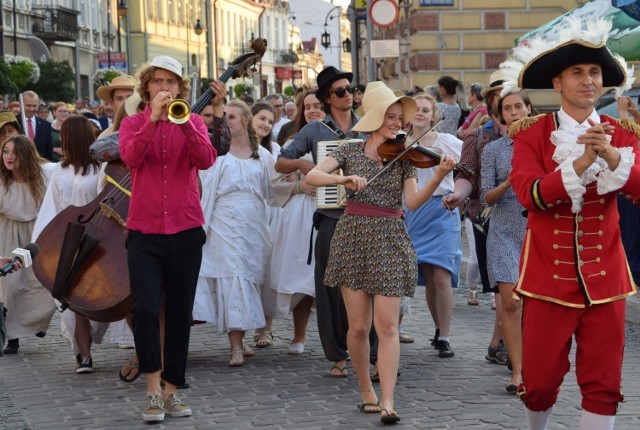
568,168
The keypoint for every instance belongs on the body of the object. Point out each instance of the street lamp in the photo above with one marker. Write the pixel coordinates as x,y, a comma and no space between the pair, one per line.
122,12
197,29
109,33
325,38
346,45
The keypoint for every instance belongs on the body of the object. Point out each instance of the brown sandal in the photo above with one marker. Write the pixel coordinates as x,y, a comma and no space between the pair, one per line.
128,369
265,339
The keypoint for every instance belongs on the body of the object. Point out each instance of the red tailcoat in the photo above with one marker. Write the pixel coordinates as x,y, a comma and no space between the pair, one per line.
573,259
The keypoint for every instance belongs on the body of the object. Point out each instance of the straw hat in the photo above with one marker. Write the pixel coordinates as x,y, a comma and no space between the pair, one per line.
375,102
495,83
8,118
123,82
578,42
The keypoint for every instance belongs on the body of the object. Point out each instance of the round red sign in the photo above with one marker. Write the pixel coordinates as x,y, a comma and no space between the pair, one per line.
384,13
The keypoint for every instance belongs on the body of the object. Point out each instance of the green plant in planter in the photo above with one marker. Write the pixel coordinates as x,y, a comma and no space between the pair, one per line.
242,89
23,71
238,90
7,86
289,91
104,76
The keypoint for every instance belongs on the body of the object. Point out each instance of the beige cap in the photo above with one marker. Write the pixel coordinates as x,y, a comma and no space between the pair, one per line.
8,118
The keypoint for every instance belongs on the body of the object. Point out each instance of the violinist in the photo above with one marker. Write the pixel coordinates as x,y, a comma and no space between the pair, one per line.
371,257
435,230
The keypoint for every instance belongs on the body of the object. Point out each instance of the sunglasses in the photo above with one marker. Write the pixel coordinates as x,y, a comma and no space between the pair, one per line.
341,92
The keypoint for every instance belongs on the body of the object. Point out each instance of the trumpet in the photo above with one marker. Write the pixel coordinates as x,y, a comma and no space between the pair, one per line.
178,111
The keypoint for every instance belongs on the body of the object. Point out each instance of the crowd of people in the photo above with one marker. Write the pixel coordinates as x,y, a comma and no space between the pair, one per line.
224,227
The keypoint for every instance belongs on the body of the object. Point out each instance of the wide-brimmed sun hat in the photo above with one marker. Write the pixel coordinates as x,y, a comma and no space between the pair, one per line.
327,77
375,102
123,82
535,64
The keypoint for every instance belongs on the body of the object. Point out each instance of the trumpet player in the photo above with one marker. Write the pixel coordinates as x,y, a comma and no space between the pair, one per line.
164,245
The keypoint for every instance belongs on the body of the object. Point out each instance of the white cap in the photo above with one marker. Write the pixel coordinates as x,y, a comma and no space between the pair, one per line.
167,63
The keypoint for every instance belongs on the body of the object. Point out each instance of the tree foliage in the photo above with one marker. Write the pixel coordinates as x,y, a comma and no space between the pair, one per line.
56,81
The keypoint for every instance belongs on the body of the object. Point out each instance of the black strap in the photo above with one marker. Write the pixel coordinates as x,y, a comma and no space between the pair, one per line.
334,128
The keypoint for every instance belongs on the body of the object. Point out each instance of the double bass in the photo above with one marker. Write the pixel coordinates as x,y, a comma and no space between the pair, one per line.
82,259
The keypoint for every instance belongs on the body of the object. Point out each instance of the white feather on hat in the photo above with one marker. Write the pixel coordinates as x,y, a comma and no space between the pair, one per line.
590,34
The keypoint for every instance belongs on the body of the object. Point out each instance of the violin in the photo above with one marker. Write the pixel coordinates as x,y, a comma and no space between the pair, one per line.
415,154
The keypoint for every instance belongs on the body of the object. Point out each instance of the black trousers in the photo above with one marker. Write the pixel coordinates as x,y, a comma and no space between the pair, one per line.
481,253
331,313
163,269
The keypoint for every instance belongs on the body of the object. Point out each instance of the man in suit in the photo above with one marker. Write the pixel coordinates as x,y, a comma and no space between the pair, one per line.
36,128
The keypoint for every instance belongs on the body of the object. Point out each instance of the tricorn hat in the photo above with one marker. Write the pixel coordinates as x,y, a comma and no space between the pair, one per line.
327,77
534,64
123,82
375,102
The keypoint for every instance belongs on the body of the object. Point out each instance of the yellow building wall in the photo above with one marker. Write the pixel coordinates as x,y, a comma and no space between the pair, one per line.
471,38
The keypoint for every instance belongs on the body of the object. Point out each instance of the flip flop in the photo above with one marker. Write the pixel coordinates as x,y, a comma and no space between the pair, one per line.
391,416
362,407
342,370
133,367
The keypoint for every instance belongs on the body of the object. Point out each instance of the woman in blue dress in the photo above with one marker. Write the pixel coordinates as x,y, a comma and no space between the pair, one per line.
508,227
434,230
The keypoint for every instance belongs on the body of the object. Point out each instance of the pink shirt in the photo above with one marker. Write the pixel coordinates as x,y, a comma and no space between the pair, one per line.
164,159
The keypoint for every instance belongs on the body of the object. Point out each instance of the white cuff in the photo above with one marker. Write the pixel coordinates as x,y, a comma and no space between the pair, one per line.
613,180
573,184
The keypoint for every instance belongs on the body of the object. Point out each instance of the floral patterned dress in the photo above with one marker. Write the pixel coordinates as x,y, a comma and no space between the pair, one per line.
374,254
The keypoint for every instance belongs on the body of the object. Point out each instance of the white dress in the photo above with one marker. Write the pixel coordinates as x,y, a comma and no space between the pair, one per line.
29,305
238,247
67,188
290,275
274,215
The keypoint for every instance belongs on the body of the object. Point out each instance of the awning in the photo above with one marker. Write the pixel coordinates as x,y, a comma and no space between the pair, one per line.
624,37
39,51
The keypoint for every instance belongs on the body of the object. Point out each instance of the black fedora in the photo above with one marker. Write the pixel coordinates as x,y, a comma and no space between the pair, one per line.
327,77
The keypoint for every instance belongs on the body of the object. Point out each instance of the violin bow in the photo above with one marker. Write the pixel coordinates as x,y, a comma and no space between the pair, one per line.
404,151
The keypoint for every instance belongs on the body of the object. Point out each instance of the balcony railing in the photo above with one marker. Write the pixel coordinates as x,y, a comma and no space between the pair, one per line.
55,23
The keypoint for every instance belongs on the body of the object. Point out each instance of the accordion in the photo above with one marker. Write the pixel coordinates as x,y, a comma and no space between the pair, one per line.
332,196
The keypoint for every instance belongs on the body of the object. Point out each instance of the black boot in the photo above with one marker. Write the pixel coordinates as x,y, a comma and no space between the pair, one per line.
12,346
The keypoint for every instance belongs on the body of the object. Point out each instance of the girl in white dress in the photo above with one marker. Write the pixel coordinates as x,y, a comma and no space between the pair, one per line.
290,274
76,180
239,243
262,121
29,305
